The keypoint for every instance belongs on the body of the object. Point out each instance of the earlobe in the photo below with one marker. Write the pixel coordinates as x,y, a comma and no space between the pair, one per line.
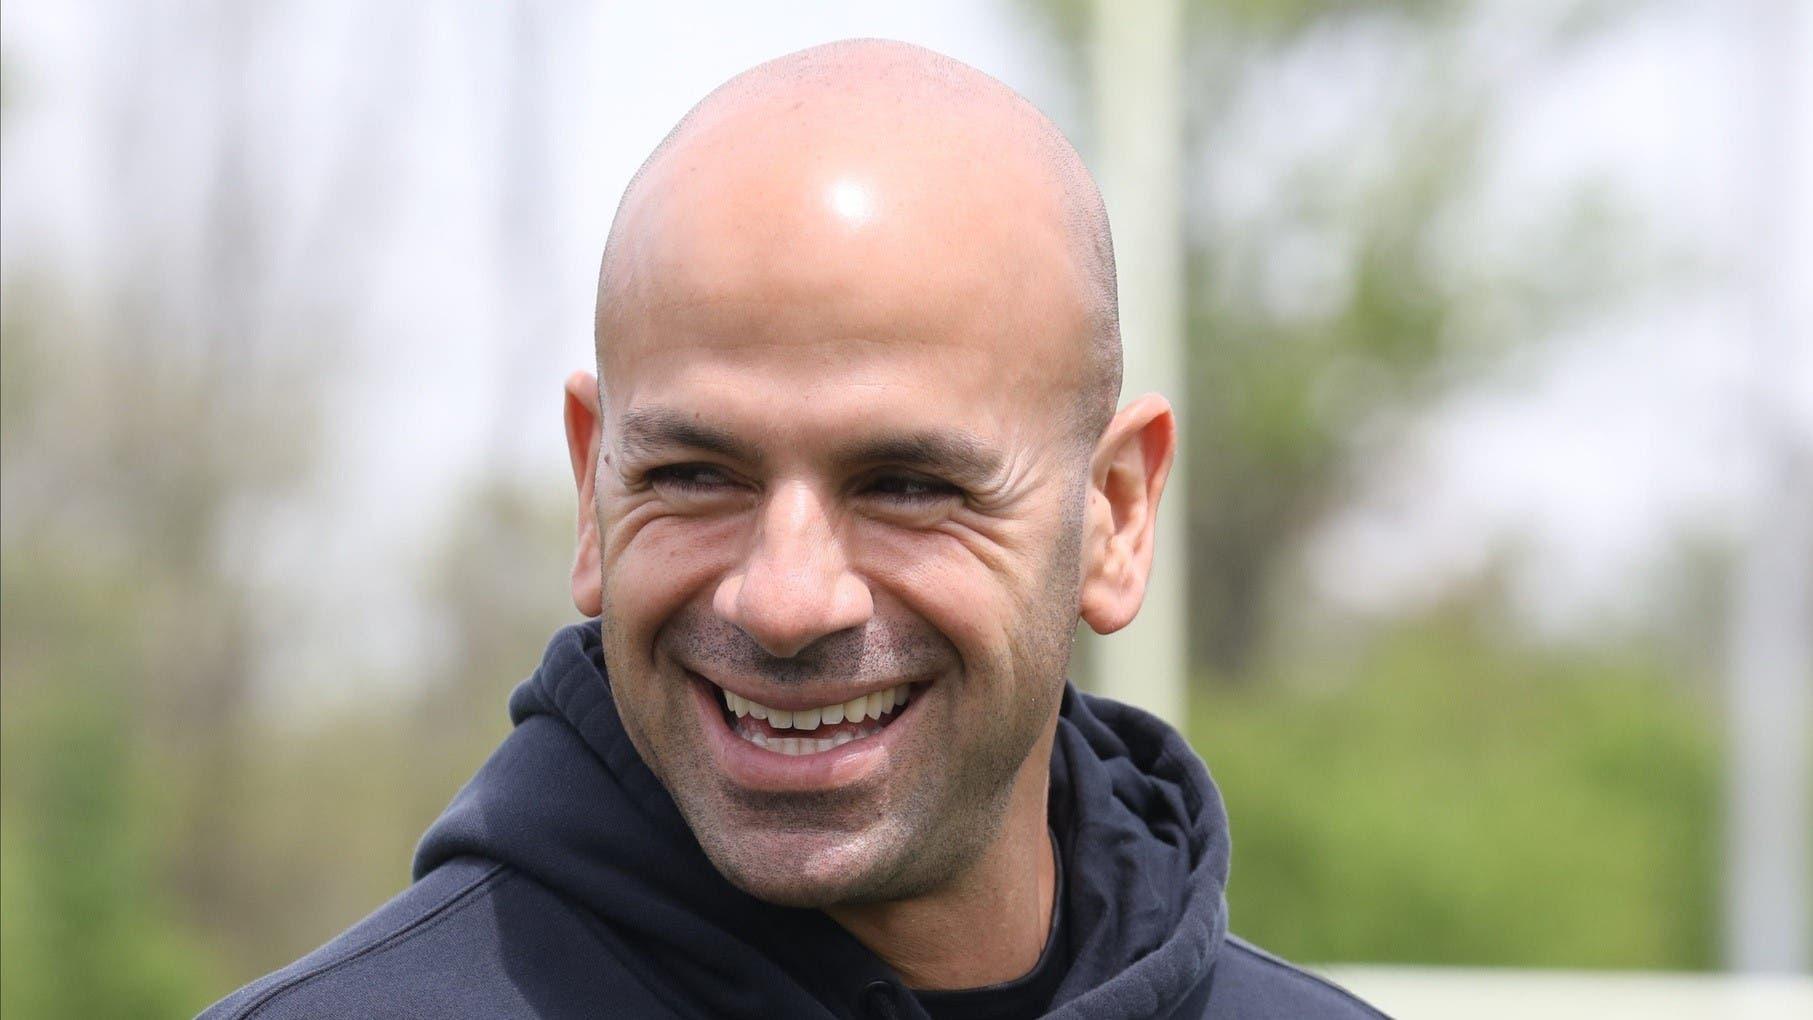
1127,478
584,434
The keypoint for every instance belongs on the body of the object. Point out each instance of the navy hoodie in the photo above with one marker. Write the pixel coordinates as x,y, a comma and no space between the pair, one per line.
563,882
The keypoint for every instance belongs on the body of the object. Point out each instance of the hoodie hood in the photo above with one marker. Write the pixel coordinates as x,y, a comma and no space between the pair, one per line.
567,801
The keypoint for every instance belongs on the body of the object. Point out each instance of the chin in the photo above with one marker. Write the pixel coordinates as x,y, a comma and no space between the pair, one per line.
793,862
793,868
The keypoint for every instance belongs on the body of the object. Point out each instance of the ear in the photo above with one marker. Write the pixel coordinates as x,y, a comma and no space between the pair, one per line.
1126,478
583,437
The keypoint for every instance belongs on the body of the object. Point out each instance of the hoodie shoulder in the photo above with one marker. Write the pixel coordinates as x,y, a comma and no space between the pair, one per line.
472,938
1252,984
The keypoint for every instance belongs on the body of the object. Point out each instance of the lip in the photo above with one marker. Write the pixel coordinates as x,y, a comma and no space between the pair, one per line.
759,769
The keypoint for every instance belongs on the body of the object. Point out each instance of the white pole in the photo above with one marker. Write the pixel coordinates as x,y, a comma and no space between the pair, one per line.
1136,61
1770,661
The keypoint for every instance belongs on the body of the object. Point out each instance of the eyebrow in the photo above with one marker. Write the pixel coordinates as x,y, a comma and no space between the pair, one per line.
956,453
649,430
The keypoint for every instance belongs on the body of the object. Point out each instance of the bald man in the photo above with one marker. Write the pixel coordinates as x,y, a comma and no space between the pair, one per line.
849,474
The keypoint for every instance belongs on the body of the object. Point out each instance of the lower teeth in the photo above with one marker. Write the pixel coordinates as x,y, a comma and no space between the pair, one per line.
807,745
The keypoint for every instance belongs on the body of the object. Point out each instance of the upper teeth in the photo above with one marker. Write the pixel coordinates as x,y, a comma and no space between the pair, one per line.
863,706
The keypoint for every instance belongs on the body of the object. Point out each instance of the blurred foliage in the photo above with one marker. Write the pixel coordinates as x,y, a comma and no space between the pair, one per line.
119,673
1346,286
85,927
163,841
1444,796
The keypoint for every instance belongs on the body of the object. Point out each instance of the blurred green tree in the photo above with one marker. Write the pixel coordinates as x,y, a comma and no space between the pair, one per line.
1338,279
1443,795
149,425
1431,788
100,666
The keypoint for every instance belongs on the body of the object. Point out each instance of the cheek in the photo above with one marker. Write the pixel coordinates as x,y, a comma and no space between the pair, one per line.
656,565
976,599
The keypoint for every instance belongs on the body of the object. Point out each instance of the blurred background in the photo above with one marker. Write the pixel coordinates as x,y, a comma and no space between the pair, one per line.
1487,595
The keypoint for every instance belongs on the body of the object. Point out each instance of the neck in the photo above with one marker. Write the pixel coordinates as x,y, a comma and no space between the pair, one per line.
989,924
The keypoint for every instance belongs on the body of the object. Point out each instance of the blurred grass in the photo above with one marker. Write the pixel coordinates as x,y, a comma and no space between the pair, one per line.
1444,797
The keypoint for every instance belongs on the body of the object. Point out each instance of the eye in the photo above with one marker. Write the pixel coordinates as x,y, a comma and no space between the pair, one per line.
909,488
690,478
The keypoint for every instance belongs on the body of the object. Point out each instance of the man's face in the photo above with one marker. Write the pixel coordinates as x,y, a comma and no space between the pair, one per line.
833,469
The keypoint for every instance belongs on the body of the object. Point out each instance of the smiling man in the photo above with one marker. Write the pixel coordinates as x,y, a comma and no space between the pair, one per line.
849,474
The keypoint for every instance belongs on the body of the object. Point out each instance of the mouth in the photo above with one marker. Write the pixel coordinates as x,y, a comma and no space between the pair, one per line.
815,729
804,745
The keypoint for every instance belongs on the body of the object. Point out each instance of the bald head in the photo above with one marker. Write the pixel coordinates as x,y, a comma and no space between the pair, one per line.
854,430
861,165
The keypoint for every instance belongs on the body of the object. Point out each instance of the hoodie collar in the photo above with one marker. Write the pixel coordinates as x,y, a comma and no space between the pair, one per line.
567,801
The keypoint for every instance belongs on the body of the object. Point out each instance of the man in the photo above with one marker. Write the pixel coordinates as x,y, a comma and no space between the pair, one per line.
848,476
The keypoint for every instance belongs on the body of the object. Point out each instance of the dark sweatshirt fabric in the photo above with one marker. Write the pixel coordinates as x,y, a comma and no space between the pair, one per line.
563,882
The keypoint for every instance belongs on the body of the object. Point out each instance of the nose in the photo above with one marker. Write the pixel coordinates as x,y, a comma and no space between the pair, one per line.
796,585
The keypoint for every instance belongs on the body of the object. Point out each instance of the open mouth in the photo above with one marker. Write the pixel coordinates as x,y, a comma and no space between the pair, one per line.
816,729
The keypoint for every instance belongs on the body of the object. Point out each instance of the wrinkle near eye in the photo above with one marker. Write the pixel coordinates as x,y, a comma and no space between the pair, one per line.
1010,487
959,535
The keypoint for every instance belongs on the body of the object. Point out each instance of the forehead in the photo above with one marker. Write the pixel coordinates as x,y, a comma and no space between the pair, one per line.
921,282
814,373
